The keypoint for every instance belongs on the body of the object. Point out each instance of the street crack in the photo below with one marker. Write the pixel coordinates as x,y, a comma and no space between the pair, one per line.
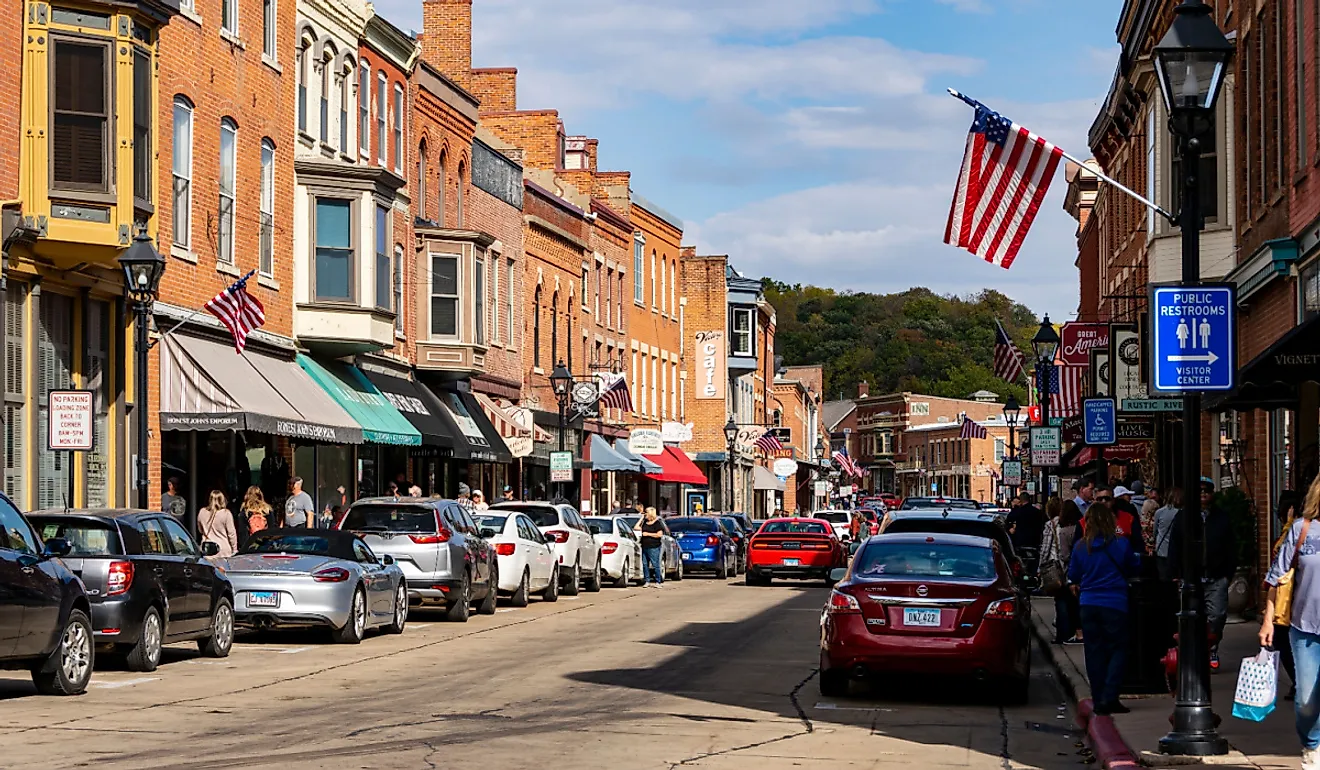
807,729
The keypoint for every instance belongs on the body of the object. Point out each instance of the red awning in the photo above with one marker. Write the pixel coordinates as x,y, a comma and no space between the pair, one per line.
676,468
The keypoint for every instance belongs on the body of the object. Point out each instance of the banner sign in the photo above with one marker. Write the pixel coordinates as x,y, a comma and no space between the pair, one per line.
784,467
712,365
1077,340
1125,363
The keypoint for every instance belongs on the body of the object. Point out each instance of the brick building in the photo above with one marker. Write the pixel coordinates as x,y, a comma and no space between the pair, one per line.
941,462
796,404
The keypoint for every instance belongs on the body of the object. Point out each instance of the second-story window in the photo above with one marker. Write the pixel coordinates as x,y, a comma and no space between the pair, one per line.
80,116
364,110
618,307
458,196
381,111
181,200
398,289
143,162
303,63
345,105
741,343
440,189
655,278
398,129
586,282
510,272
536,328
422,202
266,262
609,298
334,250
224,251
639,268
495,298
268,27
327,64
444,295
479,301
673,283
384,271
229,16
554,329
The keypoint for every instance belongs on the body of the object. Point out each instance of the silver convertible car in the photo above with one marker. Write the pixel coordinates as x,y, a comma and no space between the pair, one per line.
317,577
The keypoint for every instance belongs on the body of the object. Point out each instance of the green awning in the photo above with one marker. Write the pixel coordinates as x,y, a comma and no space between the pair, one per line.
349,387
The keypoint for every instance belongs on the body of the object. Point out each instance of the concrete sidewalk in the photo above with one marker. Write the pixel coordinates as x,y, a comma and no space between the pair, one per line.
1267,745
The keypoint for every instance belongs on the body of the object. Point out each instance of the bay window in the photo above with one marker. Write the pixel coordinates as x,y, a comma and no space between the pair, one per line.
444,295
334,250
384,272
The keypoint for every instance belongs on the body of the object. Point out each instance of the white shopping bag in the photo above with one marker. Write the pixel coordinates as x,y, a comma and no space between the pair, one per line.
1257,686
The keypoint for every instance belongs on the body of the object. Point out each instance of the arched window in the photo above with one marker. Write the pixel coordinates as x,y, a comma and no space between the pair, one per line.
422,203
570,333
266,263
459,197
228,183
327,66
536,328
654,278
673,287
345,101
440,188
182,172
302,63
382,110
364,110
663,272
554,329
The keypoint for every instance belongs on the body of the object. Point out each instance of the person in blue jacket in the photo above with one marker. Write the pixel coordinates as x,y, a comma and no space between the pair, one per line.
1102,561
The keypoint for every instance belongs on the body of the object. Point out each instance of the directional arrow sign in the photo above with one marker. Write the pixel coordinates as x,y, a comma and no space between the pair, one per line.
1194,338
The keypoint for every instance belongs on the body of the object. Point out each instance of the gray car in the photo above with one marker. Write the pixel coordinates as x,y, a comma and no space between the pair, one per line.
445,560
317,577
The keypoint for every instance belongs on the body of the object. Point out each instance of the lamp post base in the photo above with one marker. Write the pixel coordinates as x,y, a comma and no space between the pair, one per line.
1195,743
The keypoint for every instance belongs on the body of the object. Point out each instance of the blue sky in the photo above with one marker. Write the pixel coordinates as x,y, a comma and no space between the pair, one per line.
811,140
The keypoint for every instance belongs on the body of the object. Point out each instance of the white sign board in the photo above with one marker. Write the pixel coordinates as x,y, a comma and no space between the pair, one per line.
845,490
647,442
561,466
1013,473
70,419
784,467
822,487
1046,446
676,432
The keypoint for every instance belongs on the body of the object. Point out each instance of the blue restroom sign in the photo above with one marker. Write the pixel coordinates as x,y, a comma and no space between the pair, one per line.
1194,345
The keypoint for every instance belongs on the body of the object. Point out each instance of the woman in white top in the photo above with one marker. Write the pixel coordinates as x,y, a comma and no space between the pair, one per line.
216,524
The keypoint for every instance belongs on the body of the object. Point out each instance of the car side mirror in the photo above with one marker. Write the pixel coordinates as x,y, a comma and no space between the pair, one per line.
210,549
488,533
57,547
387,560
837,574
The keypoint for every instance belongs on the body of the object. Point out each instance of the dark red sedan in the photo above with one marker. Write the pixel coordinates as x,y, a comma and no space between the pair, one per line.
794,548
932,604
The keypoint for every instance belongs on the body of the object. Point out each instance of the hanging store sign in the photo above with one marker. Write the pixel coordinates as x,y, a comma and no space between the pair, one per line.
676,432
647,442
70,419
784,467
1152,404
1077,340
712,365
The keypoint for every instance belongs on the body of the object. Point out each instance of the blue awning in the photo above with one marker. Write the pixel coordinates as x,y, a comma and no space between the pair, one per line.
603,458
647,466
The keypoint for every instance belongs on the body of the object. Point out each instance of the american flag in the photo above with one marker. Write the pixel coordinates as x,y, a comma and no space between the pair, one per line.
615,395
972,429
846,463
768,443
1005,173
1065,389
1008,359
240,312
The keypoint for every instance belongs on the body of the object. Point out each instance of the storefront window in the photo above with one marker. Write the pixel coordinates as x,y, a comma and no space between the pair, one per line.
15,415
98,381
1280,463
334,469
54,372
1309,286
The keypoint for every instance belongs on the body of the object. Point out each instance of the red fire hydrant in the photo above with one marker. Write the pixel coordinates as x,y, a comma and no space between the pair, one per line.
1170,661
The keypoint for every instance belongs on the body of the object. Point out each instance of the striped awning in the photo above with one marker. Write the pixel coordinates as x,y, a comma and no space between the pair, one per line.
514,424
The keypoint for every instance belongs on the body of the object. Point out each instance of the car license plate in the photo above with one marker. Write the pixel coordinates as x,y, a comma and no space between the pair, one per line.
687,556
791,562
921,618
263,599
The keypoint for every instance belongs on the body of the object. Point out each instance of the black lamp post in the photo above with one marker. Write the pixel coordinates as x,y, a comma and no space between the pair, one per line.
1012,410
821,459
562,381
1190,62
730,436
1045,344
143,267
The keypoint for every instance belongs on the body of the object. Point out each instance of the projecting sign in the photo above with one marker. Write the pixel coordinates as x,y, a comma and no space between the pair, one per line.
822,487
1099,421
676,432
70,415
1046,447
1012,473
1077,340
647,442
784,467
1193,332
712,365
1152,404
561,466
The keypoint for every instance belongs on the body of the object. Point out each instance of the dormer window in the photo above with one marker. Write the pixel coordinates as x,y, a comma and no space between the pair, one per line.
742,324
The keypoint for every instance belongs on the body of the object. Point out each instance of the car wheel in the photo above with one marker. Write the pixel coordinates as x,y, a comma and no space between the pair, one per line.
400,610
722,571
737,565
145,655
594,578
551,593
69,667
487,606
625,577
678,573
519,598
754,578
356,627
833,683
218,644
461,608
573,583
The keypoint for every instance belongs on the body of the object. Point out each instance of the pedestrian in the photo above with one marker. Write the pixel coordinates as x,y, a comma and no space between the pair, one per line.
331,516
414,491
392,490
1138,488
479,501
1102,561
1026,528
508,494
855,526
1085,493
665,508
1164,518
299,508
1299,598
1067,530
1126,517
254,511
1221,554
172,502
1282,643
1147,511
465,495
616,509
215,524
652,530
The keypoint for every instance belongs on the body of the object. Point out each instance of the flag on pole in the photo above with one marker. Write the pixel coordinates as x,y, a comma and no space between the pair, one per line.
1066,390
1006,172
768,443
615,394
1008,359
846,463
240,312
972,429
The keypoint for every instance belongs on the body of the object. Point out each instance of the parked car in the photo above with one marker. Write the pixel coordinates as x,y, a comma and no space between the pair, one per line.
927,503
794,548
933,604
620,550
575,547
671,555
45,615
437,545
735,530
317,577
748,525
527,562
839,520
147,580
705,543
957,522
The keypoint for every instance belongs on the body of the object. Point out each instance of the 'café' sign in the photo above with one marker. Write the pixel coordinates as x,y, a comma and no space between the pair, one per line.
1077,340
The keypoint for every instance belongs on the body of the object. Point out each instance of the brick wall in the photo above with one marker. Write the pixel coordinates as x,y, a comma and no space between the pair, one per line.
11,87
535,132
492,215
496,88
553,267
657,327
1305,196
703,283
447,38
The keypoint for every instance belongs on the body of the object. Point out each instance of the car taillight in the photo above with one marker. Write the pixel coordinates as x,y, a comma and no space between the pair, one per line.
120,578
1017,569
330,575
762,544
504,549
557,535
712,541
440,537
1005,609
815,546
609,548
843,604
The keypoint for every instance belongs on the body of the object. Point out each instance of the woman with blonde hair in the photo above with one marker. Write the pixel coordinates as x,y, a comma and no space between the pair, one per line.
215,524
255,510
1294,600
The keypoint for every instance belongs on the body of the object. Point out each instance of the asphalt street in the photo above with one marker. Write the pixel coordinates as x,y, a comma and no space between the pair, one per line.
698,674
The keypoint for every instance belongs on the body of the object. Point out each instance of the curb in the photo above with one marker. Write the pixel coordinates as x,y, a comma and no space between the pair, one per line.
1111,750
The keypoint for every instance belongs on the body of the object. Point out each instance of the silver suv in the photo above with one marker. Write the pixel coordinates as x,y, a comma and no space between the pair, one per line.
438,546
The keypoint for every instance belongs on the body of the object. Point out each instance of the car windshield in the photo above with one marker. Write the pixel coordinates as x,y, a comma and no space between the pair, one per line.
309,545
630,521
833,517
378,517
606,526
690,525
541,515
917,503
793,528
491,522
88,538
924,560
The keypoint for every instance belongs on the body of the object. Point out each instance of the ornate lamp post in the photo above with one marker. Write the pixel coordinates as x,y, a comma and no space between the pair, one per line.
1012,410
143,267
1189,63
1045,344
730,437
562,382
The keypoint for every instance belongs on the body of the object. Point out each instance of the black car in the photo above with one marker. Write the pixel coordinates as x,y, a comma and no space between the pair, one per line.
748,525
45,618
740,537
147,580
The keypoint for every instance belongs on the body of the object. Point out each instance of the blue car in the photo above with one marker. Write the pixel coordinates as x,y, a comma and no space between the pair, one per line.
706,545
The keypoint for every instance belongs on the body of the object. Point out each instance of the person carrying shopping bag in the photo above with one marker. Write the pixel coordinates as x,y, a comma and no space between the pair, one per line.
1294,600
1102,561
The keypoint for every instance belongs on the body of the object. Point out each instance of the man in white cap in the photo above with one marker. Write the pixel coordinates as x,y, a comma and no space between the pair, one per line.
1128,518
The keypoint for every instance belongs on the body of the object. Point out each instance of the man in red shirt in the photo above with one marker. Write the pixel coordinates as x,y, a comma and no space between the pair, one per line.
1125,514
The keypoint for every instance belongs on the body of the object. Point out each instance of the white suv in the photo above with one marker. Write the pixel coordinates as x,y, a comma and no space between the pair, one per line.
574,546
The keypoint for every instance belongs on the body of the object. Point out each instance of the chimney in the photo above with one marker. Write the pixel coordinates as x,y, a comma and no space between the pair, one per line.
447,38
863,389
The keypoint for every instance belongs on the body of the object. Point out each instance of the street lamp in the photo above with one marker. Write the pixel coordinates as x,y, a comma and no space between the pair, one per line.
820,460
562,382
730,436
1012,410
1189,63
143,267
1045,344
